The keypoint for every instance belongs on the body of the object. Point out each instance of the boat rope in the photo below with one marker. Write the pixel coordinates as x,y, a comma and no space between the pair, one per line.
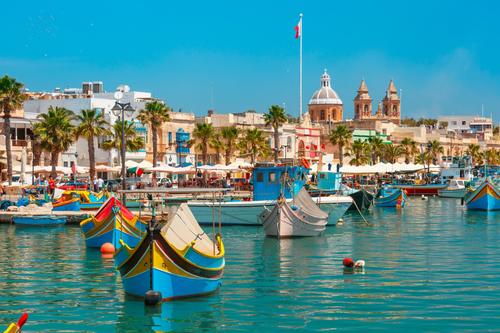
360,214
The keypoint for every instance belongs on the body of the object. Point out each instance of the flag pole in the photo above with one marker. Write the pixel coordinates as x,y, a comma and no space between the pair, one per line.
300,69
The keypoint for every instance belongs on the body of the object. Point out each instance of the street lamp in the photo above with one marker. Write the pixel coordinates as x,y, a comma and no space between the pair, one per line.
119,111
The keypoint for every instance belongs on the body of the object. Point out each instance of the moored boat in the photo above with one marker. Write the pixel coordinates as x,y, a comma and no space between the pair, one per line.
39,220
299,218
112,222
175,258
390,197
72,204
88,200
420,189
484,197
455,189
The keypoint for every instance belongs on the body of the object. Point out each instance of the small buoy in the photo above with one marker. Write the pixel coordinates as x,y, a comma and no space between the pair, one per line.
107,248
424,197
348,262
340,222
152,297
359,264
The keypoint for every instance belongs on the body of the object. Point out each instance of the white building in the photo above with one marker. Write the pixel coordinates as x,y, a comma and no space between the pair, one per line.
91,96
481,127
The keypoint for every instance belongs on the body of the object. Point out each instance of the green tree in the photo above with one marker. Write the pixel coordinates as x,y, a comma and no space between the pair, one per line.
393,152
360,151
424,158
491,156
230,137
11,99
91,124
203,134
217,144
155,114
340,136
133,141
254,144
275,118
376,146
410,149
56,133
474,151
435,148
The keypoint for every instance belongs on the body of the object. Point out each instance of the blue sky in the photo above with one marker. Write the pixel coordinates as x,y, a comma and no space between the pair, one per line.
235,56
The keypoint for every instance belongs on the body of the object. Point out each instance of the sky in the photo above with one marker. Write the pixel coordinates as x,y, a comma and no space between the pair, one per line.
232,56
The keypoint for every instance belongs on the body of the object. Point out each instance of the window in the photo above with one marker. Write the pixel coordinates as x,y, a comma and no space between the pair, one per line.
322,176
272,177
65,163
260,177
357,110
169,137
454,122
322,115
464,122
366,109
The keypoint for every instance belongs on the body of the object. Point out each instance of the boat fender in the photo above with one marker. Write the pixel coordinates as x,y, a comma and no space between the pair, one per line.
348,262
294,207
359,264
424,197
107,248
152,297
340,221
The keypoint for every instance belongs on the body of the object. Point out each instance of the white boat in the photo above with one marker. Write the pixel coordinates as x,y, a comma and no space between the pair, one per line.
299,218
247,212
455,189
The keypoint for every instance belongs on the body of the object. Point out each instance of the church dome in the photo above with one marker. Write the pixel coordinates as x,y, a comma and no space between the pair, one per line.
325,95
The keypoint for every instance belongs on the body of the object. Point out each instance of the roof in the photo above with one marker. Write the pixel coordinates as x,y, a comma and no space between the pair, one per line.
325,95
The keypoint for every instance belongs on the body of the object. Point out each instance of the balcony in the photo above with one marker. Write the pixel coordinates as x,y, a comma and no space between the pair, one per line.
20,143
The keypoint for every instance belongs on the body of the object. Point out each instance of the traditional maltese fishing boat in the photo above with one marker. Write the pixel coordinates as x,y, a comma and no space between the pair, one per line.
71,205
298,218
484,197
112,222
391,197
39,220
174,259
87,200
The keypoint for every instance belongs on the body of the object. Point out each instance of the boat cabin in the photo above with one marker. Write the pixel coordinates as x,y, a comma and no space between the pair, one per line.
460,167
268,181
329,181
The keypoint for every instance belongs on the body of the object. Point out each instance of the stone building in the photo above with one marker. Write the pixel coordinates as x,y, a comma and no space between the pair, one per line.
388,109
325,106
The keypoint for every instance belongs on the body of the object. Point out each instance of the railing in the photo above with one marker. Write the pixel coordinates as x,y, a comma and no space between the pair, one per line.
20,143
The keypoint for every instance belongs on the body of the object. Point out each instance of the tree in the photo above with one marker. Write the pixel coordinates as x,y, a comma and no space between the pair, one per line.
155,114
376,146
359,153
230,136
435,148
410,149
424,158
91,124
203,134
491,156
341,137
11,99
56,133
276,118
393,152
255,144
218,145
133,141
474,151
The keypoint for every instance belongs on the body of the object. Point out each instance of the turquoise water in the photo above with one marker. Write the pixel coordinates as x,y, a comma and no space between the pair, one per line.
432,266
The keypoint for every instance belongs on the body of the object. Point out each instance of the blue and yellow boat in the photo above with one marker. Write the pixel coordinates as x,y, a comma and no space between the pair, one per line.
175,258
88,200
71,205
485,197
111,224
391,197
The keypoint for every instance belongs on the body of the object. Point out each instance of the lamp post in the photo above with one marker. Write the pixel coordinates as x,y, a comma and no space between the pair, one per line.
76,165
119,111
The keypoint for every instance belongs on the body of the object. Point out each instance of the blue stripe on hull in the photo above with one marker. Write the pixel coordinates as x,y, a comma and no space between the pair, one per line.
170,285
72,207
391,200
113,237
203,261
486,202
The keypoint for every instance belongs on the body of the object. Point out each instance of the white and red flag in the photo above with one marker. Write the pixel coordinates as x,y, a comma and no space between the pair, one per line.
298,28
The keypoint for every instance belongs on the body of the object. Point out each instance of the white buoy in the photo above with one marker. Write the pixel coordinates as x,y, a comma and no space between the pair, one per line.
359,264
424,197
340,222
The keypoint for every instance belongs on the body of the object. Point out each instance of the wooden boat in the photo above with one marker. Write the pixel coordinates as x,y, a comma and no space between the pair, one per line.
39,220
176,258
420,189
301,217
88,200
112,222
485,197
455,189
67,206
16,327
390,197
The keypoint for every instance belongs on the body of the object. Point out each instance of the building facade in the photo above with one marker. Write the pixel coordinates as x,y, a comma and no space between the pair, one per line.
389,108
325,106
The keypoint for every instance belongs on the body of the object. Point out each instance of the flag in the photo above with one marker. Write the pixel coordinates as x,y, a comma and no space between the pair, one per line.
298,29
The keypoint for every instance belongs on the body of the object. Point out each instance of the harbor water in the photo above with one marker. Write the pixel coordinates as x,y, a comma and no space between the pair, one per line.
432,266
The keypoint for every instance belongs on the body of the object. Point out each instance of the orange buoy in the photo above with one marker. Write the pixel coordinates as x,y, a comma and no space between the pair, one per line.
107,248
348,262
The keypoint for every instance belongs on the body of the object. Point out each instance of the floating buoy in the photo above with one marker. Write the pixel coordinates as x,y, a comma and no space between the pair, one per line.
348,262
107,248
152,297
340,222
359,264
424,197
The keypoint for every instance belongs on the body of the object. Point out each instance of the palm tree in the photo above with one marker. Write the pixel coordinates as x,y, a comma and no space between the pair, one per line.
376,146
91,125
217,144
133,141
56,133
359,153
11,99
276,118
230,136
410,149
203,134
393,152
255,144
341,137
491,156
435,148
474,152
424,158
155,114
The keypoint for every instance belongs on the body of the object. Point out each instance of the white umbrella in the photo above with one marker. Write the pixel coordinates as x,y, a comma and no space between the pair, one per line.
131,164
144,164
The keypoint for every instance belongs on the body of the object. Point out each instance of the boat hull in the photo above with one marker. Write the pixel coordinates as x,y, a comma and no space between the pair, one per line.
395,199
362,200
428,189
247,212
72,205
457,193
485,197
39,220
